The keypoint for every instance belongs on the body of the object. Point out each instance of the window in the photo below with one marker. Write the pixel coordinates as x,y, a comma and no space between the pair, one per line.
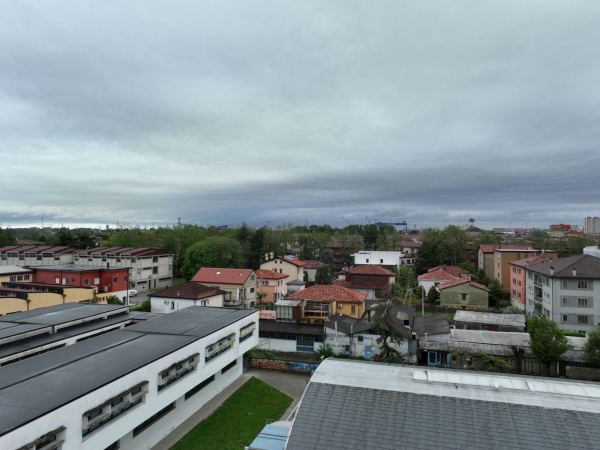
105,412
193,391
353,309
564,284
361,338
582,302
228,366
381,261
463,297
305,344
155,270
97,280
280,270
86,281
367,260
564,301
178,370
582,284
247,331
222,345
155,259
582,319
114,446
564,318
172,306
251,290
51,441
151,420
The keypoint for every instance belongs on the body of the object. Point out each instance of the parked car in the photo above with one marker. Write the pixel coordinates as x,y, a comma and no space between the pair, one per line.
133,292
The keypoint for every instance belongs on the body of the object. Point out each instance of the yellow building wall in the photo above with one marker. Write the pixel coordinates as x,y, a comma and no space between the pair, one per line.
6,278
78,294
346,309
294,272
42,299
12,304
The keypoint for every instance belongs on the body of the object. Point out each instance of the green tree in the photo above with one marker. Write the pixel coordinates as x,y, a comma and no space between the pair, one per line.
406,278
547,341
496,294
216,251
7,237
386,326
452,246
432,296
324,275
429,252
591,348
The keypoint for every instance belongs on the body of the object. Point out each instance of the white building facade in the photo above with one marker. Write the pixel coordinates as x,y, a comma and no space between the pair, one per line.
126,389
382,258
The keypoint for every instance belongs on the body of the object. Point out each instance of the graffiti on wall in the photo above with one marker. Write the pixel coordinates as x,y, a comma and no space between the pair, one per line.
287,366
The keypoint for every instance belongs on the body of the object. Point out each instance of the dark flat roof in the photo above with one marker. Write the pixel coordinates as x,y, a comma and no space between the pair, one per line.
61,314
35,386
12,332
22,345
196,321
274,326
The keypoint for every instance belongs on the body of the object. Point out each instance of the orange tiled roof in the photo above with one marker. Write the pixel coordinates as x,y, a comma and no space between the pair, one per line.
329,293
370,269
222,275
269,275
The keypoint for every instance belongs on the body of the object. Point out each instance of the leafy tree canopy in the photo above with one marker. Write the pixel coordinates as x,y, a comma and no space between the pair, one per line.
547,340
214,251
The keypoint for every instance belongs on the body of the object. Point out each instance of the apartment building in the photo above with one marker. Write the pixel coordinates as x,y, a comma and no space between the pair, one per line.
124,389
289,265
271,286
567,290
518,291
149,268
591,225
388,259
320,301
35,255
503,257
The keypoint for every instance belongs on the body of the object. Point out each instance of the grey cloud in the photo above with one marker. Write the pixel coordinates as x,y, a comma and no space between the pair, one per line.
223,112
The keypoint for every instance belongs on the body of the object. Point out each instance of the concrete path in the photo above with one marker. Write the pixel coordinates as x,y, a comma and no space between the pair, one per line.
288,383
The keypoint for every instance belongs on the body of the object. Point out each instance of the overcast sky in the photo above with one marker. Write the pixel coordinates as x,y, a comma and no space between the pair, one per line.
277,111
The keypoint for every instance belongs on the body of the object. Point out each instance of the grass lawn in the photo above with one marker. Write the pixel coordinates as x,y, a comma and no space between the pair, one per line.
239,420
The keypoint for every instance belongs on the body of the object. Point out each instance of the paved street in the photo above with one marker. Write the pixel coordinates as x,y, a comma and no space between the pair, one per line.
288,383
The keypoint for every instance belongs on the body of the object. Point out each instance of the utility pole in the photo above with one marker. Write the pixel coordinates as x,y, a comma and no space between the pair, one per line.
422,302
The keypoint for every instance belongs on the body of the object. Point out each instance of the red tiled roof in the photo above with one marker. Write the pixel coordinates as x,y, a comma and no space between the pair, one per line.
487,248
295,261
542,257
311,264
462,281
441,273
187,290
222,275
329,293
269,275
370,269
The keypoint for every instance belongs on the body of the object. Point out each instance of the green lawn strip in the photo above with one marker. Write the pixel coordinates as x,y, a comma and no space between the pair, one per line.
239,420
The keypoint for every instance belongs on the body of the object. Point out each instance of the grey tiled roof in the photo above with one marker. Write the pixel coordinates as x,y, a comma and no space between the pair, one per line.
337,417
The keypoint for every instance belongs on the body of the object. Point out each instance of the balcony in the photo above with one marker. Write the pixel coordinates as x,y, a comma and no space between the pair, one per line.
235,303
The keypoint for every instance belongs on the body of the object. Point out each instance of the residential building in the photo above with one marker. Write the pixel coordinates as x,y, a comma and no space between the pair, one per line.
567,290
310,268
295,286
14,273
289,265
503,257
518,291
514,348
591,225
436,276
387,259
149,268
290,337
358,337
475,320
485,259
27,296
322,300
592,250
464,293
107,281
271,285
184,295
375,281
35,255
289,310
239,285
415,408
124,389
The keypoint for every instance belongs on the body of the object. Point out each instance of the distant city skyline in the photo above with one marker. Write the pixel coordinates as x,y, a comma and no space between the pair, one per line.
299,112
